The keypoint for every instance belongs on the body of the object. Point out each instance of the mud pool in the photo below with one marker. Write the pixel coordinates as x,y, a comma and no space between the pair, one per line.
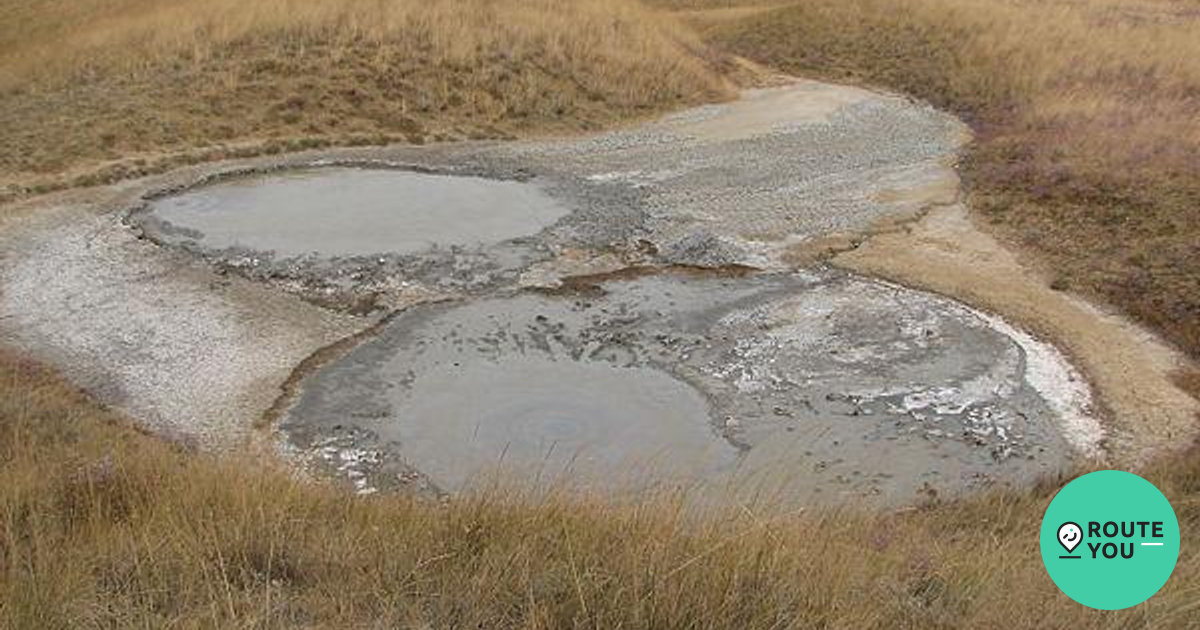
354,212
810,385
642,308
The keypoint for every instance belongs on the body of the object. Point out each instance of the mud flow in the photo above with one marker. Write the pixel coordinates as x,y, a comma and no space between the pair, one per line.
815,386
340,212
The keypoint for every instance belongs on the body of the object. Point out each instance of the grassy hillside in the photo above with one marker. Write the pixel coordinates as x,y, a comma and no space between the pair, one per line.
94,89
1087,154
1087,114
101,527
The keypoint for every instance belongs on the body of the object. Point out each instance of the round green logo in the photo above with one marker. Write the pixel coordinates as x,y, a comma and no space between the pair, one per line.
1110,540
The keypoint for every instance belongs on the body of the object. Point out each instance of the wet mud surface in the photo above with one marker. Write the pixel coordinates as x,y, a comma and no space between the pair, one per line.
345,212
816,385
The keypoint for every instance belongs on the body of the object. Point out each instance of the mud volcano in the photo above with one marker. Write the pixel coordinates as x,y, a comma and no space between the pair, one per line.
346,212
563,309
814,386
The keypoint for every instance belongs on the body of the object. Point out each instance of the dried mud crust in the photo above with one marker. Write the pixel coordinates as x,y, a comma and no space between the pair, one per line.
190,354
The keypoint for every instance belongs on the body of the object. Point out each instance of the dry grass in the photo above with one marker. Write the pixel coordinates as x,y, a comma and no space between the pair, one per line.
122,86
1087,152
101,527
1087,114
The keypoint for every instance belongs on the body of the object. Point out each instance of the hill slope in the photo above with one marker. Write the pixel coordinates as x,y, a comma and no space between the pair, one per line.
90,83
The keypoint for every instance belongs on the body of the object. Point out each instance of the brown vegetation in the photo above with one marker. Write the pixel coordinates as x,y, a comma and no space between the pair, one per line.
101,527
93,90
1088,153
1087,116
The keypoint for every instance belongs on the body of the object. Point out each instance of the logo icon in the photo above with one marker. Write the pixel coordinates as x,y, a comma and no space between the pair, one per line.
1121,538
1069,535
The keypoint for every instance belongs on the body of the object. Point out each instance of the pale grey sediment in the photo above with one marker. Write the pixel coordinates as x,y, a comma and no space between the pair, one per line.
190,355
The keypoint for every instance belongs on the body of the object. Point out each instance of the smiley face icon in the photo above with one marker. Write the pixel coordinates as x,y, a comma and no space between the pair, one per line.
1069,536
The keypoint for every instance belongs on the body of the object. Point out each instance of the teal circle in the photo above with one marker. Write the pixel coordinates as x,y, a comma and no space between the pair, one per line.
1095,503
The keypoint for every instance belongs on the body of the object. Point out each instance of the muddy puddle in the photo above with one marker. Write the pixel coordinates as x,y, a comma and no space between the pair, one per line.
817,386
347,212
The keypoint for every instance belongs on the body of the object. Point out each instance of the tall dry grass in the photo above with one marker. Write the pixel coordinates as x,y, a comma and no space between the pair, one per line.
101,527
1087,114
1083,112
92,36
92,82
